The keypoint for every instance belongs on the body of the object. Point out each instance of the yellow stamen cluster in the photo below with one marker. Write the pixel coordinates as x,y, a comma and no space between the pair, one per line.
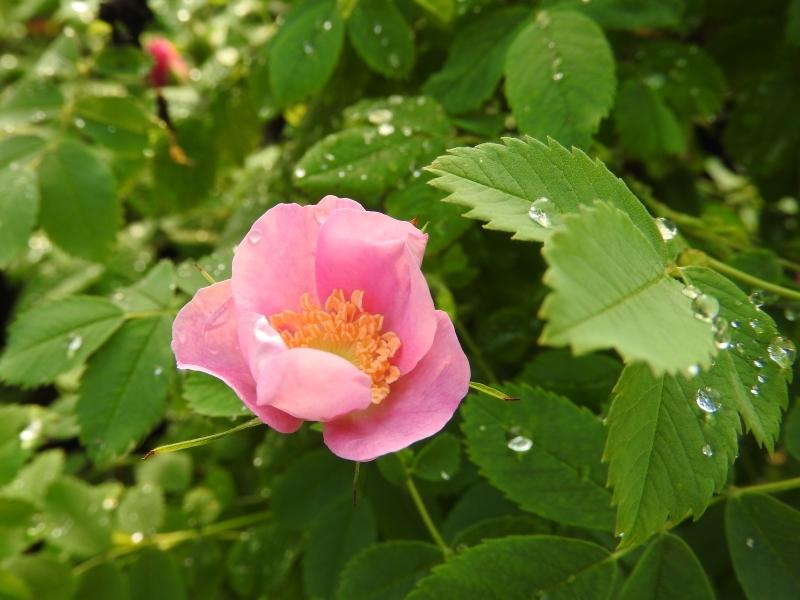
345,329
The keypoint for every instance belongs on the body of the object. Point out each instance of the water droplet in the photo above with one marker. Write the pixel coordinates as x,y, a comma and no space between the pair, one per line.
705,307
445,476
74,344
137,537
754,390
750,542
520,443
707,450
693,370
761,379
385,129
258,462
691,292
79,123
757,298
109,503
380,115
722,335
782,352
30,434
666,228
254,237
327,25
544,212
158,370
308,48
377,29
755,325
558,76
708,399
735,324
758,364
299,172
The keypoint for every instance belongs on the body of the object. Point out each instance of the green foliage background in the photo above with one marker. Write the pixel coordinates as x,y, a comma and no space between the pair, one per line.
644,453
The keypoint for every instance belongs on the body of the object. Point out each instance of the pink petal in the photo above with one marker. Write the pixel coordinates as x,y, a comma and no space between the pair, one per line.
419,404
204,338
380,255
274,264
313,385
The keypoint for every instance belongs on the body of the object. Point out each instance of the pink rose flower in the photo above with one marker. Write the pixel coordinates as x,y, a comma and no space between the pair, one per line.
327,317
167,61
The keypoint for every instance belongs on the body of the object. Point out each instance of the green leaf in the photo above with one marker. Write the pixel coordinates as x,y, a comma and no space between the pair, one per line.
647,127
443,10
626,14
141,510
260,560
500,527
13,587
500,182
475,61
79,207
749,379
381,36
439,459
46,578
311,484
18,150
77,520
525,566
387,571
103,581
124,390
666,455
762,539
384,141
56,337
338,534
31,101
611,290
669,570
170,472
209,396
19,205
153,292
542,452
34,478
793,431
305,50
560,77
156,576
117,122
477,504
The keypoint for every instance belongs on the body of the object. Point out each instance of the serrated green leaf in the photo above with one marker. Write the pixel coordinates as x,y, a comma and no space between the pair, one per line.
611,290
500,182
762,540
19,205
387,571
79,207
626,14
749,380
338,534
475,61
123,392
56,337
666,455
439,459
572,569
381,36
141,510
153,292
478,503
647,127
384,142
560,78
76,519
305,50
500,527
542,452
669,570
156,576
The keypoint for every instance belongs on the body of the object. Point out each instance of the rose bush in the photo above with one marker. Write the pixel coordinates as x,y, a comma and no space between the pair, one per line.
327,317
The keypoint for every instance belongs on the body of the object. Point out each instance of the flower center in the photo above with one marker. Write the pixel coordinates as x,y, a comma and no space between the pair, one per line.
344,328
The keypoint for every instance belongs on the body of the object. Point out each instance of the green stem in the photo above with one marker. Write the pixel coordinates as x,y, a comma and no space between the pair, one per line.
697,257
490,391
767,488
168,540
202,441
476,353
426,517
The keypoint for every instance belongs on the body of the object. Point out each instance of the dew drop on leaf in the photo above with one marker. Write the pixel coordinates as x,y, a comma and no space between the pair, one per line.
74,344
691,292
666,228
708,399
782,352
705,307
707,450
544,212
520,443
385,129
757,298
